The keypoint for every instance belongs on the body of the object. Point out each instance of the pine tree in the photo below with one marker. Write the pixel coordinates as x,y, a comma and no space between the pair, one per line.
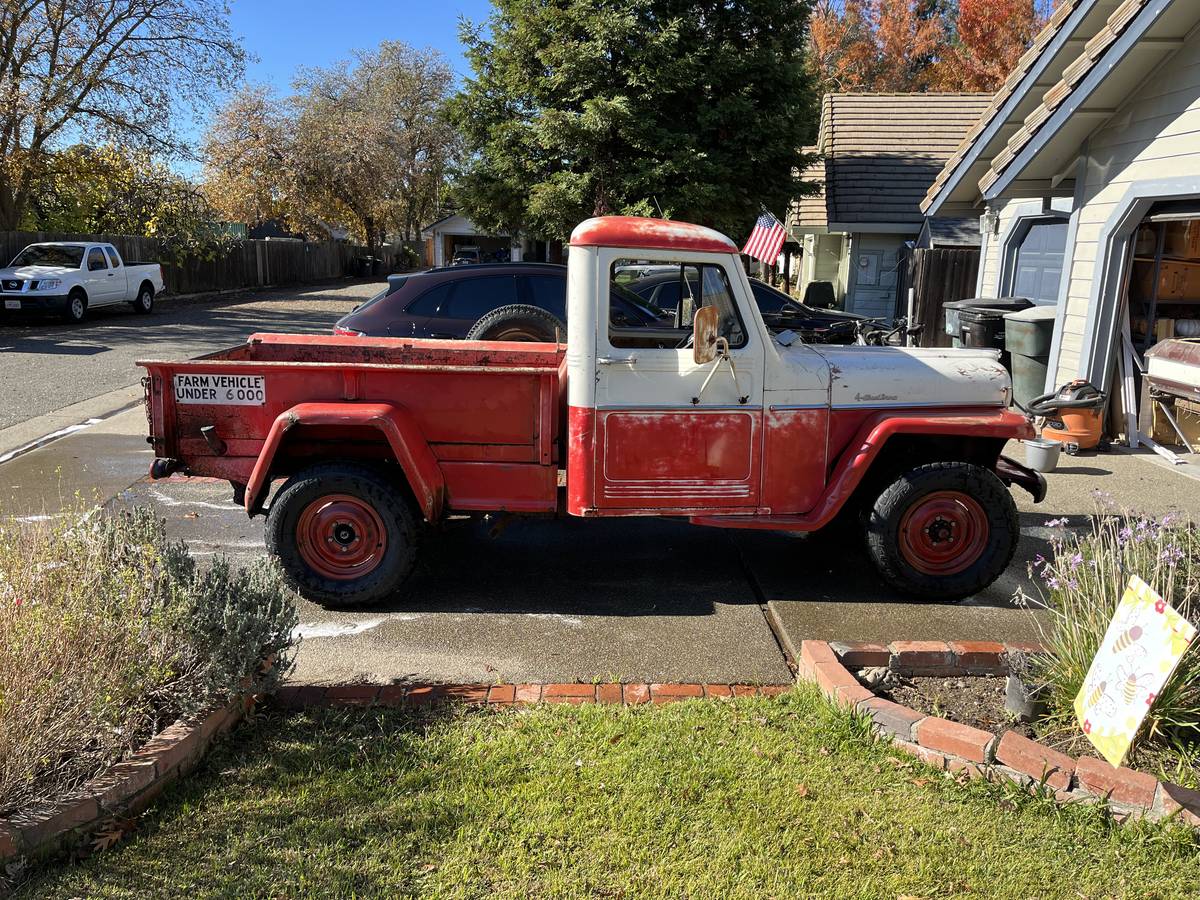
693,108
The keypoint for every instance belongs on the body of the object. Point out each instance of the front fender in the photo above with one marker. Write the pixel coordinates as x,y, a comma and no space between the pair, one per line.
393,421
862,451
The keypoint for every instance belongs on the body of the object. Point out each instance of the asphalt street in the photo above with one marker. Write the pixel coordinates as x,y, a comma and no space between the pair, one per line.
46,365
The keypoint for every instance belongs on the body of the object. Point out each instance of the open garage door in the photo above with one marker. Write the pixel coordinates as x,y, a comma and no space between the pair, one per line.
1039,262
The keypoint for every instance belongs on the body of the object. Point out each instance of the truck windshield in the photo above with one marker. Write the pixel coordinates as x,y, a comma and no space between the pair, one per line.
50,255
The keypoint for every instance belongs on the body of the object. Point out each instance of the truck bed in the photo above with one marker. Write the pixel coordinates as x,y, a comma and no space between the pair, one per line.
491,413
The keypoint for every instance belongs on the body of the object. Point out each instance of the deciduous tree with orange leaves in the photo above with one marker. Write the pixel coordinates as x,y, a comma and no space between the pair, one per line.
918,45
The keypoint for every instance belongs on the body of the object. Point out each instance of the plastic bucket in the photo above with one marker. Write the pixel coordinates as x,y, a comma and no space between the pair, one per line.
1042,455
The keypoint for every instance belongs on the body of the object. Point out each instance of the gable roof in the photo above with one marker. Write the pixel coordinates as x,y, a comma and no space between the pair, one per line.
880,152
1058,81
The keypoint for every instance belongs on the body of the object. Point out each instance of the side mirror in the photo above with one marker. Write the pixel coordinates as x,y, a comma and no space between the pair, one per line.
705,327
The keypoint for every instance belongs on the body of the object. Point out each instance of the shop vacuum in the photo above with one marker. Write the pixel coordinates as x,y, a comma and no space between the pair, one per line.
1074,415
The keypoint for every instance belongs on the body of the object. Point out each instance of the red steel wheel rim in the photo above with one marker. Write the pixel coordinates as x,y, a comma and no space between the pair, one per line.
341,537
943,533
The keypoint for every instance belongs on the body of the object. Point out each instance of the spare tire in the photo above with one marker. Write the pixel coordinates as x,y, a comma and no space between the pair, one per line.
518,322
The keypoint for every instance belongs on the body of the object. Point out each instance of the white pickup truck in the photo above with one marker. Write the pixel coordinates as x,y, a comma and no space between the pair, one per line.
69,278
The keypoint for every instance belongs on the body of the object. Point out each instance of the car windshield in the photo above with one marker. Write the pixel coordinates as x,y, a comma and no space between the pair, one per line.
50,255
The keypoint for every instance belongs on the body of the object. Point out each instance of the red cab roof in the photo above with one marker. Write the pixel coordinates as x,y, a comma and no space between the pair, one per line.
650,234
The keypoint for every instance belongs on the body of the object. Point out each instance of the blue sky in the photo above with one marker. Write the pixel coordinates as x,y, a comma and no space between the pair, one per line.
285,34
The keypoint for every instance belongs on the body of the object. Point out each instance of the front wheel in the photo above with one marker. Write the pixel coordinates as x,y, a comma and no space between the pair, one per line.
344,533
943,531
76,308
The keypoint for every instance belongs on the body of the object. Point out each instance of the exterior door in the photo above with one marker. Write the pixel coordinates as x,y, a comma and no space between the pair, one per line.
672,434
1039,262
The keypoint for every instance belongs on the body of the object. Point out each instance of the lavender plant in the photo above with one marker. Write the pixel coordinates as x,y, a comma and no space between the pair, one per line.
109,632
1080,584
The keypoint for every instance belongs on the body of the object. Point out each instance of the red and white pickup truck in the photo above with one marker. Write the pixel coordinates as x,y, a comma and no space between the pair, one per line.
716,420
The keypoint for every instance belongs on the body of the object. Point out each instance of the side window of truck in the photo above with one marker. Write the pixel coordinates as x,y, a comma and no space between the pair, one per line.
96,262
690,286
113,258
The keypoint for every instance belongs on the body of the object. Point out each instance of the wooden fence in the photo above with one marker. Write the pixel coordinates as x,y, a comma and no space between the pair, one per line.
937,277
244,264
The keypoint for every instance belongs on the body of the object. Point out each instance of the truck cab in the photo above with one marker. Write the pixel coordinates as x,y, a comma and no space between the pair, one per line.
708,416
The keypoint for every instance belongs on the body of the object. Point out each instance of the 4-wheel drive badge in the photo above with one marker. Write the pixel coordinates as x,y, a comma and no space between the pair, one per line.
221,390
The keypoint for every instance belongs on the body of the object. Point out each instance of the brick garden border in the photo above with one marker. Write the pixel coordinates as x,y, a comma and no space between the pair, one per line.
128,787
300,696
954,747
122,790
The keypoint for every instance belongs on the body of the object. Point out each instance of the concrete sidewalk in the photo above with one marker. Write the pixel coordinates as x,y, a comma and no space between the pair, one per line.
571,600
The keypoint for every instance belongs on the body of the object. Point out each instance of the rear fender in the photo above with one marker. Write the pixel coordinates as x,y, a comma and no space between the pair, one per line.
396,425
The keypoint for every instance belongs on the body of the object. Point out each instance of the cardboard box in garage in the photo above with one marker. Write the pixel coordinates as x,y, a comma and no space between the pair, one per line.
1187,414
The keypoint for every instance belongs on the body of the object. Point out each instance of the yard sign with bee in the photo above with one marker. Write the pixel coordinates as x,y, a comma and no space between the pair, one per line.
1141,648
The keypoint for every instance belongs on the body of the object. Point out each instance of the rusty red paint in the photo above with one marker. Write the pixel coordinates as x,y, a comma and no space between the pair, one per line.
944,533
649,234
861,451
341,537
677,459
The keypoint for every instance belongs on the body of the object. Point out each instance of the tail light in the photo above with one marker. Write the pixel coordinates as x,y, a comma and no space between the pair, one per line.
347,332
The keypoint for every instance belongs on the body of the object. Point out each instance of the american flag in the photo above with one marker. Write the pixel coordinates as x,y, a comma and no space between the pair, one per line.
766,240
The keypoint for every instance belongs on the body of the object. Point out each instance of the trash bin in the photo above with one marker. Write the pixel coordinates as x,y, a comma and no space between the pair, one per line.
1027,337
986,318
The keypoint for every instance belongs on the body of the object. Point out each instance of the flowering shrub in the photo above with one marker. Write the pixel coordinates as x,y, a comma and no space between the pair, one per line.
1081,584
108,633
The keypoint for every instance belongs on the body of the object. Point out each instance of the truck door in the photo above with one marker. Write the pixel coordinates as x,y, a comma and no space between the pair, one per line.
99,279
672,434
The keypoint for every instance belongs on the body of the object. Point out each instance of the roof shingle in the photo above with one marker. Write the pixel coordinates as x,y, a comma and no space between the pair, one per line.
881,152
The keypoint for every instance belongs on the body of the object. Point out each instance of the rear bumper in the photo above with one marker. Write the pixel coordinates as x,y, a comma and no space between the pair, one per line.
33,303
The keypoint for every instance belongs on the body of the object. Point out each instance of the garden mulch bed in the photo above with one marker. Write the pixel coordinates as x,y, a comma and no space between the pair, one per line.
978,701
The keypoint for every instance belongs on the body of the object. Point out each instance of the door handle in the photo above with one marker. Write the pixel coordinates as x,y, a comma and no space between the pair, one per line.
616,360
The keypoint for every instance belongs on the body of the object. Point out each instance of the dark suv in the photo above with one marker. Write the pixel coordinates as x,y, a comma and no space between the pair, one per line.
447,302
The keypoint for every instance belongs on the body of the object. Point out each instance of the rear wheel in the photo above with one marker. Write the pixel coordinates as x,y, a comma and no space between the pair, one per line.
344,533
144,303
943,531
518,322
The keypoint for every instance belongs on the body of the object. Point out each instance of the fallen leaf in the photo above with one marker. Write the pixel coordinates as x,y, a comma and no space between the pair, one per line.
802,790
191,515
920,782
824,751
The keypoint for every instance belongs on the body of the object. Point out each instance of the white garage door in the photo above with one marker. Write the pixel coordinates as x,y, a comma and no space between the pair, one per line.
1040,262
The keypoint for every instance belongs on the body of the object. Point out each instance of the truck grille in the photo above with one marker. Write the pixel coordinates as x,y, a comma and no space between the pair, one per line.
12,284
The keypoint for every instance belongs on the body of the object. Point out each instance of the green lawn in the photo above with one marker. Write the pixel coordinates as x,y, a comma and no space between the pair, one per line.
758,798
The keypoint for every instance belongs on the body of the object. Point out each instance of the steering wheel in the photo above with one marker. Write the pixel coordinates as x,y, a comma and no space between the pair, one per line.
790,307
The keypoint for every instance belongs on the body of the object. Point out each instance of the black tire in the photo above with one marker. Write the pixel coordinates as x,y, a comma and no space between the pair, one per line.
971,506
518,322
290,539
76,309
144,303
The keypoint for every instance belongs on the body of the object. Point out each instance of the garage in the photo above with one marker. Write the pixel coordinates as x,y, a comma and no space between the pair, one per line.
1039,261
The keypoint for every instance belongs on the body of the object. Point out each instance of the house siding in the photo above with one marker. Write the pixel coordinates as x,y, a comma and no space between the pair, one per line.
1155,134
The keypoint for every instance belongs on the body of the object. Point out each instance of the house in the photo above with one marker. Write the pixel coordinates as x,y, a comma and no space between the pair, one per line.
1085,171
879,155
